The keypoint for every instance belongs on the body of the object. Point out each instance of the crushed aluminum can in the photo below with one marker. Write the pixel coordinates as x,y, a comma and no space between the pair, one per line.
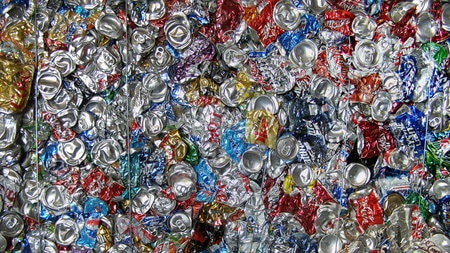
399,10
228,92
96,106
11,224
30,192
366,55
398,159
178,31
182,179
152,123
323,87
381,106
427,27
60,102
142,40
251,162
286,15
221,162
234,57
287,147
63,62
316,6
392,84
363,27
330,244
160,59
68,117
3,243
163,206
156,87
120,248
275,165
66,231
445,17
107,60
326,218
86,121
85,4
49,82
109,25
142,201
180,222
304,54
264,102
72,152
391,202
436,108
8,129
357,174
302,174
56,199
106,152
440,188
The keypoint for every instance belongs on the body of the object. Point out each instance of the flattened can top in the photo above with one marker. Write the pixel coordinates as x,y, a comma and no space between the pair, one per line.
287,147
180,222
304,54
286,15
11,224
357,174
66,231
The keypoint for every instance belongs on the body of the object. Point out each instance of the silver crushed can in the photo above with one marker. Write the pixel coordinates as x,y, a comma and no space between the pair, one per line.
182,179
180,222
66,231
11,224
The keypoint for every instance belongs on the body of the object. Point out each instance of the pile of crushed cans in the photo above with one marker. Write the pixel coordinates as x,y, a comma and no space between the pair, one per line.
226,126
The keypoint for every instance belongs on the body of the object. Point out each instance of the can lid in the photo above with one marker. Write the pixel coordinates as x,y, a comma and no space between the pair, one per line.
286,15
251,162
357,174
426,27
304,54
49,82
228,93
275,165
55,198
398,159
72,152
63,62
363,27
330,244
392,202
120,248
106,152
381,106
66,231
366,55
316,6
302,174
3,243
287,147
180,222
234,57
162,206
142,201
440,188
11,224
142,41
177,31
445,18
264,102
109,25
